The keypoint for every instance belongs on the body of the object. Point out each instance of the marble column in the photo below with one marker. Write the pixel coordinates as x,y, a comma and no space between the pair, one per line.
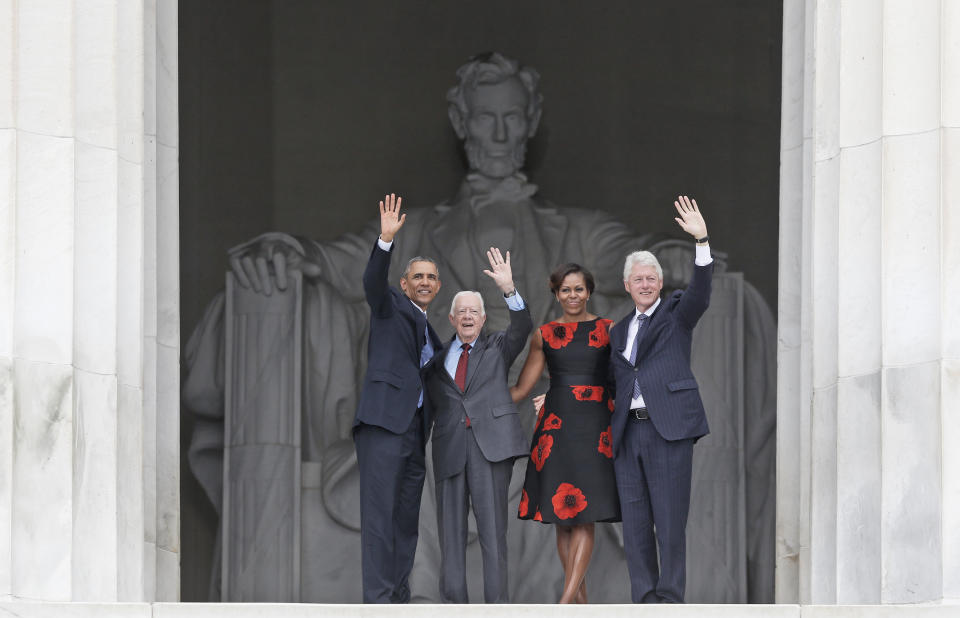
89,327
868,486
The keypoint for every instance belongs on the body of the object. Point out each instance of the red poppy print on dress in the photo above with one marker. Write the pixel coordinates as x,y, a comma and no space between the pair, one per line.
538,516
524,504
541,451
588,393
568,501
557,335
553,422
599,336
610,404
606,443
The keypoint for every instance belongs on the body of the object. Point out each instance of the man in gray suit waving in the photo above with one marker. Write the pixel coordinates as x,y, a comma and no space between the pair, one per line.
476,434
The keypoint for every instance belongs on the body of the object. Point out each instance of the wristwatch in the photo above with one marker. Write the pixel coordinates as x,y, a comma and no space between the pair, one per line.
513,292
701,241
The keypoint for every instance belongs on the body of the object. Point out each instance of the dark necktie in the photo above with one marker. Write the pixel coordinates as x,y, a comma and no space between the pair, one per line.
460,377
641,319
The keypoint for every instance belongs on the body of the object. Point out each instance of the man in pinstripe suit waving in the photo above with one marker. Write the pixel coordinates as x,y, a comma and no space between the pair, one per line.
658,414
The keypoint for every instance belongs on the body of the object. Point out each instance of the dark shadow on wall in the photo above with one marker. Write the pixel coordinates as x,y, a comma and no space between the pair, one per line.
295,115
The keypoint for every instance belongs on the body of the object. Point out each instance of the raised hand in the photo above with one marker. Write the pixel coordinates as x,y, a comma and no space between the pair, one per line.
500,270
690,218
390,218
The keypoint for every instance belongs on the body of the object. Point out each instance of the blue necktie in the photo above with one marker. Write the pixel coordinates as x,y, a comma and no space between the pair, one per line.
426,353
642,319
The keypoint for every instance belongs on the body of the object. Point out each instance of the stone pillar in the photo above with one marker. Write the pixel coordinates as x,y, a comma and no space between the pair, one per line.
89,327
868,505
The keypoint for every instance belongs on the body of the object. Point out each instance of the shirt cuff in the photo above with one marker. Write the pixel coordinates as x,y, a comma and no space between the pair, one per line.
703,256
515,302
386,245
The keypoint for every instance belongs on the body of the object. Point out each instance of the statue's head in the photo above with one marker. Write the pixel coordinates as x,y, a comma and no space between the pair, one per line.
495,109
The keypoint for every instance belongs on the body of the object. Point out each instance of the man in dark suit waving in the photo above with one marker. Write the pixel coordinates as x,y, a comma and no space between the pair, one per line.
392,420
477,434
658,414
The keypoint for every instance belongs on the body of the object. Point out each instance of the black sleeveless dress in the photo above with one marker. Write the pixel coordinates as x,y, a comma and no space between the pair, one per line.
570,472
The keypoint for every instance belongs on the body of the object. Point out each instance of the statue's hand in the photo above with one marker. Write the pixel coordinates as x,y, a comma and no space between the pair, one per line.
500,270
264,262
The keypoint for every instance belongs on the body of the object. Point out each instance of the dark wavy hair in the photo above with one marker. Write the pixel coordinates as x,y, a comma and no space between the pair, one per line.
560,273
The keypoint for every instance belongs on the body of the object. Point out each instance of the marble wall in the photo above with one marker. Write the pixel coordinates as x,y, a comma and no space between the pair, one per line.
89,307
868,487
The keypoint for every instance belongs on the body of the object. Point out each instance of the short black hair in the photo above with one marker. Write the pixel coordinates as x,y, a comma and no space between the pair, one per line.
560,273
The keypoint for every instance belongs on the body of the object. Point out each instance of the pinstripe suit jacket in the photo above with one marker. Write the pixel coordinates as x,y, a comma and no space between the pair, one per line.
669,389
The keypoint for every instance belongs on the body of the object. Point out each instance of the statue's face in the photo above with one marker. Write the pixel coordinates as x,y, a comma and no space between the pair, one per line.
644,285
497,128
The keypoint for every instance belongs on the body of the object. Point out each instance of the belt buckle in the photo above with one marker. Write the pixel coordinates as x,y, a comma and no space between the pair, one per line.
640,414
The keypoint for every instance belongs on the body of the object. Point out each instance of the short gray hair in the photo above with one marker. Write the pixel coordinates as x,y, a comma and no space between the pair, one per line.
453,304
419,258
643,258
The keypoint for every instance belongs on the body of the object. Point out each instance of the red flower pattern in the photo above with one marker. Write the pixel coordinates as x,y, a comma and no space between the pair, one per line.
553,422
541,451
524,504
543,410
600,336
606,443
557,335
538,516
588,393
568,501
610,404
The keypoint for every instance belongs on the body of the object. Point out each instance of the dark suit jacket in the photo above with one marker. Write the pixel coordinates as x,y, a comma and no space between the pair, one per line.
669,389
392,384
486,400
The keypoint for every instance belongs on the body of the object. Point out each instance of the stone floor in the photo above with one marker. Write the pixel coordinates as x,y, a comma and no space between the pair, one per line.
23,609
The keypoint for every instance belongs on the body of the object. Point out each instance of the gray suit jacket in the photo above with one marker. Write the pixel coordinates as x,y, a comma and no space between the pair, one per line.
486,400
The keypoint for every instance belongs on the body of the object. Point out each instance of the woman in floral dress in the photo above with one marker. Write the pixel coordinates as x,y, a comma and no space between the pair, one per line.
570,480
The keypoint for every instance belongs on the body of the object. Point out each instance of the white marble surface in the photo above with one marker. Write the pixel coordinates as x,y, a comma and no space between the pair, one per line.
130,75
8,213
95,77
910,517
168,450
6,474
911,66
7,63
167,75
861,72
95,500
131,517
859,260
42,481
950,249
950,507
44,73
824,247
95,259
823,496
129,334
168,242
858,488
827,87
261,610
43,300
950,55
911,248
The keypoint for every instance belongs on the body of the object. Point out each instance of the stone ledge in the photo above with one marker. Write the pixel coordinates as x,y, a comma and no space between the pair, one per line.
25,609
